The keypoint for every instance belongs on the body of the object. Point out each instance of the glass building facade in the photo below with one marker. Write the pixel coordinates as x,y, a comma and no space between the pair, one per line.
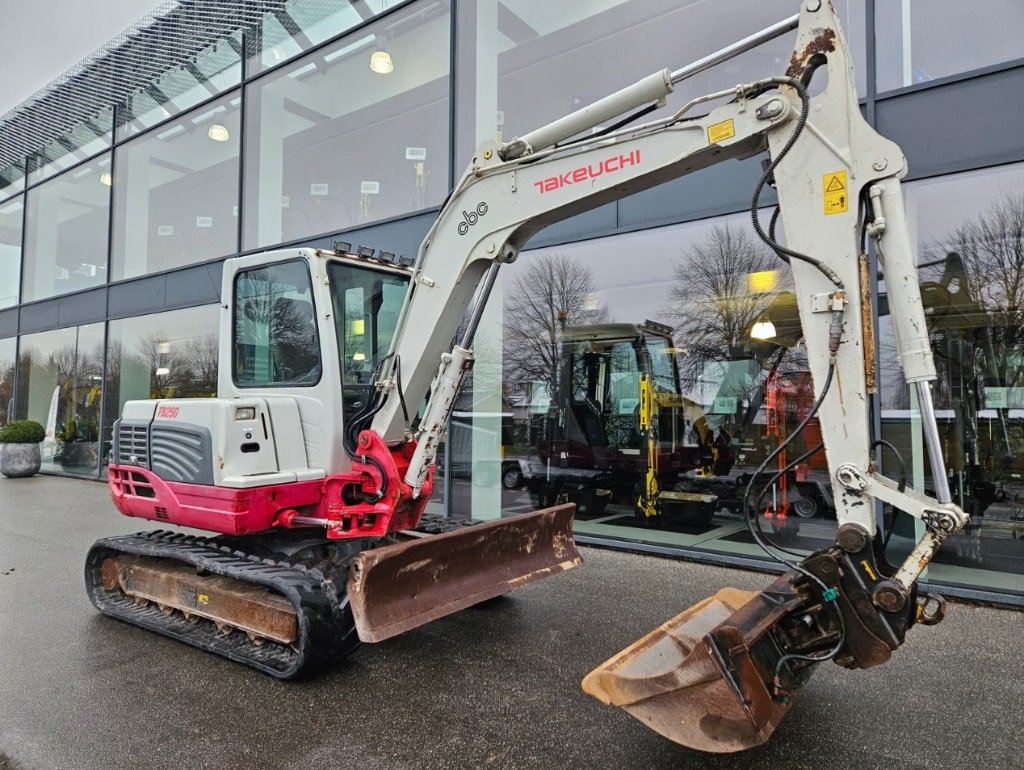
323,120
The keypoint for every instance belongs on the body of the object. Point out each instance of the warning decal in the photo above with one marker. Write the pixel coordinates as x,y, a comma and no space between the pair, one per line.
721,131
835,193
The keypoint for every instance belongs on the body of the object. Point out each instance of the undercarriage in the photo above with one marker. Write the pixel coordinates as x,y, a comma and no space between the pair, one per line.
283,613
289,602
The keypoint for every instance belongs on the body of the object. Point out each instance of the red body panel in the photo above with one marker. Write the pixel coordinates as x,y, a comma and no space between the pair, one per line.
329,501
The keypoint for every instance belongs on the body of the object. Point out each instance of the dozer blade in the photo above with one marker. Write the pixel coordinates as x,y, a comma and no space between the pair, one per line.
705,678
398,587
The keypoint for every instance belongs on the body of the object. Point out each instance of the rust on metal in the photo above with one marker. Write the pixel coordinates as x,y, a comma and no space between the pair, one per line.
231,604
702,679
395,588
824,42
867,326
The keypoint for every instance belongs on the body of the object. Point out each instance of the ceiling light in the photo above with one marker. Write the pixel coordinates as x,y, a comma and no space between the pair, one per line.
106,179
763,330
762,282
380,62
218,133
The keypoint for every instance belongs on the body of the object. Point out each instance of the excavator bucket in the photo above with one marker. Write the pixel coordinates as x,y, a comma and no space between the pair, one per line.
707,678
398,587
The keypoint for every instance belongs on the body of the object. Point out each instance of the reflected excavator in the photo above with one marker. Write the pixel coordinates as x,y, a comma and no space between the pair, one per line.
312,472
619,427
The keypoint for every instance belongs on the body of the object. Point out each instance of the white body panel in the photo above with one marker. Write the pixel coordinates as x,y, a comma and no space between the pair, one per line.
318,405
268,449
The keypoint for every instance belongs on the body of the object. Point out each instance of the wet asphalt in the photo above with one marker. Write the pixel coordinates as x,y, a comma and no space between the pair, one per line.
491,687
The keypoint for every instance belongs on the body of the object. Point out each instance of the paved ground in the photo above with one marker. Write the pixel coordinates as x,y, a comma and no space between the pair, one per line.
493,687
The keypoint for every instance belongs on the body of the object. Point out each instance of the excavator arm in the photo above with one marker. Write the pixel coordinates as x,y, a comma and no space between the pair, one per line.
719,676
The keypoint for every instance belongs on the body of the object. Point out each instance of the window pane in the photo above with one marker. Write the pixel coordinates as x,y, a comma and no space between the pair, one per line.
12,180
7,370
79,143
163,355
331,144
60,384
302,24
175,192
366,305
921,40
275,338
214,70
11,215
66,232
366,308
584,326
524,63
970,236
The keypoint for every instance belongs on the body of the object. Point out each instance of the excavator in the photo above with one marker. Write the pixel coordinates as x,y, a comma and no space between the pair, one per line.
311,471
620,427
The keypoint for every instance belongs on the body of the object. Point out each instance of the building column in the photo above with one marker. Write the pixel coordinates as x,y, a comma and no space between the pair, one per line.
487,401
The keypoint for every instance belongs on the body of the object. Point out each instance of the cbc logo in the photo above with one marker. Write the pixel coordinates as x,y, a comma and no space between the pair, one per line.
470,218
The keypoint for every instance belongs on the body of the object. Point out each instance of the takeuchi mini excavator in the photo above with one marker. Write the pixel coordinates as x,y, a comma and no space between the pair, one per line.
312,475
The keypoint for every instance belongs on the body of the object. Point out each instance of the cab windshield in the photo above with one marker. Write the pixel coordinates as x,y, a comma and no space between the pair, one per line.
366,303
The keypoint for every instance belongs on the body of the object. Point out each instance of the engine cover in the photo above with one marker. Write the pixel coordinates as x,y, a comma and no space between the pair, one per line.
219,442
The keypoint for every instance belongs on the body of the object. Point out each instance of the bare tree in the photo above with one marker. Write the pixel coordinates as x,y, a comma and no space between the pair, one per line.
973,286
710,302
553,292
201,359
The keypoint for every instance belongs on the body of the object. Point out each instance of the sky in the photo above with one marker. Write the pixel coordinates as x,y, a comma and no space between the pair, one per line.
43,38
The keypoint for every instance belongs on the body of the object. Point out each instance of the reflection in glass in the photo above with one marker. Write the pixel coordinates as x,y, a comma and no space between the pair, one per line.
921,40
8,347
66,231
12,180
274,335
970,230
302,24
175,192
635,389
214,70
60,385
80,142
11,215
163,355
339,144
529,63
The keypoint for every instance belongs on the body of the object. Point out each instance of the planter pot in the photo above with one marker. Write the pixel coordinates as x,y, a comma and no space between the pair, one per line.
19,460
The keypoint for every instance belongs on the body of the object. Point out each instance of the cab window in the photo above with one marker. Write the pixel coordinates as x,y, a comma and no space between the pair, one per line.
274,327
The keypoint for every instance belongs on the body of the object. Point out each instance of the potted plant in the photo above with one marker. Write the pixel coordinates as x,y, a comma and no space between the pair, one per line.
19,448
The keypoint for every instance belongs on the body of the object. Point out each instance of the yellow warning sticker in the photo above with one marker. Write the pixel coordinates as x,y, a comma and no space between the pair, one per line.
835,192
719,132
203,599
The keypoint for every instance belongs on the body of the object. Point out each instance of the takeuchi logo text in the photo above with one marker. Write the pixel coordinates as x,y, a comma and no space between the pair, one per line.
590,171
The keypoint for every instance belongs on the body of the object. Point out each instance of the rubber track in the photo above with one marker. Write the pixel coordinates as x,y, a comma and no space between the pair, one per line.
326,629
